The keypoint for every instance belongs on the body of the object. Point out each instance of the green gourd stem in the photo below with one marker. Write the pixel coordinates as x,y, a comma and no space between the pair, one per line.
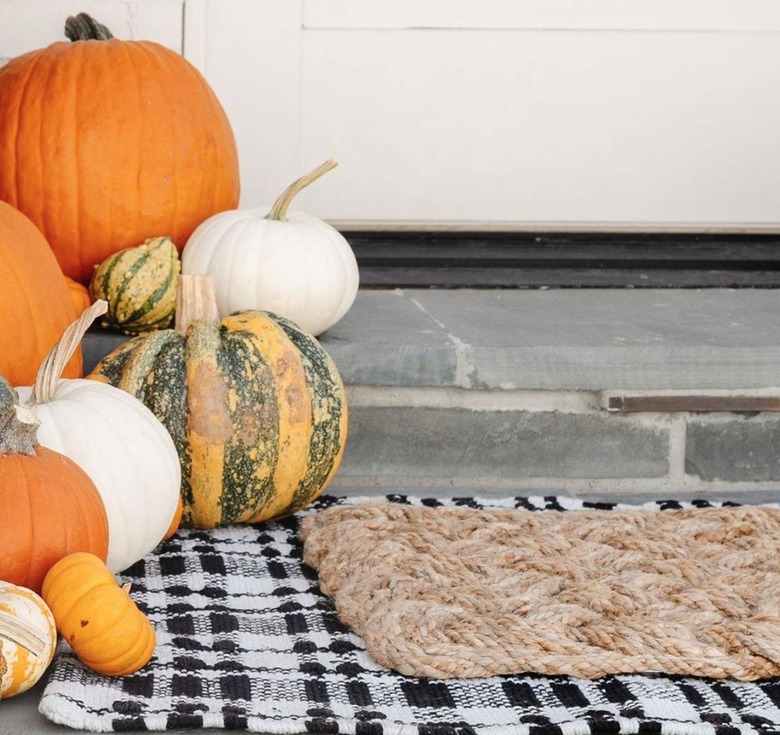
83,27
195,301
22,634
50,371
279,209
18,425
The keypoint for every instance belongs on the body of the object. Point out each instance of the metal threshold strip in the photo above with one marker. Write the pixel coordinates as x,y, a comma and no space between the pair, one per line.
461,259
693,404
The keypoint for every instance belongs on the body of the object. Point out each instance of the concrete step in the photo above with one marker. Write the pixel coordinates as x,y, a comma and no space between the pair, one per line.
508,391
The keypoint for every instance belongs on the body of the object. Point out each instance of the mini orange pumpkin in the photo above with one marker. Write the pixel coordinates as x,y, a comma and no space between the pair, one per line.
79,294
104,143
99,620
175,521
50,506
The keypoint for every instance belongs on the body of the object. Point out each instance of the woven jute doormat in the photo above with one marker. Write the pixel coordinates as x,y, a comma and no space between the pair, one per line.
464,592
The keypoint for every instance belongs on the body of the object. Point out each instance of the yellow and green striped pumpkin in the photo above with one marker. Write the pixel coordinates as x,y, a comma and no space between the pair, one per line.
139,284
255,406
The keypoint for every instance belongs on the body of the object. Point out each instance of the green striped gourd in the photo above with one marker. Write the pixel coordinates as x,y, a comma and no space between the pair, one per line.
255,406
139,285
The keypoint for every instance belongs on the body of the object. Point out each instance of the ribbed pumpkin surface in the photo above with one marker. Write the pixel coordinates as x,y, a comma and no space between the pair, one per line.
79,294
106,143
255,407
50,509
35,302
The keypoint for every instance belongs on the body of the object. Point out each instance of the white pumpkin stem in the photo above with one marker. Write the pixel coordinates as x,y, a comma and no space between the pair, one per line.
50,371
195,301
23,634
279,209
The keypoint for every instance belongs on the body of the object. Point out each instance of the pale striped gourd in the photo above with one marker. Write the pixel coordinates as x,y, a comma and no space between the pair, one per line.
28,639
139,285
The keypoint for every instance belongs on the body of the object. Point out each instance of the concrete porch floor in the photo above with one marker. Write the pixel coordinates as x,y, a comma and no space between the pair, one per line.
501,392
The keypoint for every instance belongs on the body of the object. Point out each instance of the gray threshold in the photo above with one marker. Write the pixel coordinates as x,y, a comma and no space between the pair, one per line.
561,339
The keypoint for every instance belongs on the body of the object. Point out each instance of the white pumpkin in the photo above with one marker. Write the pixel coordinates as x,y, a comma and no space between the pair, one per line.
264,259
123,447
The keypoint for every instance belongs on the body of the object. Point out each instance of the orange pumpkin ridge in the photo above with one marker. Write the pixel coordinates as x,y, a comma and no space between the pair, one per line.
79,294
35,302
119,141
50,505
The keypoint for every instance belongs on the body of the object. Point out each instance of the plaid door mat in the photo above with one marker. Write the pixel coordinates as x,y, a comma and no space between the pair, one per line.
246,640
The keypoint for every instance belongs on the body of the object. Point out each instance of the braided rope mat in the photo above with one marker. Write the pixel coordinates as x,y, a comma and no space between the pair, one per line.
460,592
247,641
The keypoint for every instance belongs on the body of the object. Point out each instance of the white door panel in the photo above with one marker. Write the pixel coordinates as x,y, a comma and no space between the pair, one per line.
517,127
482,113
250,51
630,15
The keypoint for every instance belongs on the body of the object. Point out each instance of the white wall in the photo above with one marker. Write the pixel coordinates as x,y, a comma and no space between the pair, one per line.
483,113
29,24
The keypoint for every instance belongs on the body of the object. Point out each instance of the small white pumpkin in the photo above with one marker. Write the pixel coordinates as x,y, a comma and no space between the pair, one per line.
266,259
118,441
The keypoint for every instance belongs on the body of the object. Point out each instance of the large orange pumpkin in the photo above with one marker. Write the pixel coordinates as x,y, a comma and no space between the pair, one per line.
105,143
35,302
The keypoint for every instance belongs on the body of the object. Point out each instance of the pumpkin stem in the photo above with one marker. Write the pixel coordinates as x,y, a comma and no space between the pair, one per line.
83,27
279,209
18,425
195,301
50,371
21,633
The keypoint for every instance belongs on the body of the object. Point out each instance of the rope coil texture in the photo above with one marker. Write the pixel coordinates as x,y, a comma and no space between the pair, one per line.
449,592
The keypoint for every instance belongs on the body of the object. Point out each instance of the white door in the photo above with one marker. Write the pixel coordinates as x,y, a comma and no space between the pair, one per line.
505,113
552,114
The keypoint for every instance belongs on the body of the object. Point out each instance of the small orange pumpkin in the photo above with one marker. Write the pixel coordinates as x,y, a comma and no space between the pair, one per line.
50,506
105,142
175,521
100,621
79,294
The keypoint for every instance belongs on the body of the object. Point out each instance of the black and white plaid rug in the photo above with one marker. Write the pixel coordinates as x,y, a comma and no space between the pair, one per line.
247,641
